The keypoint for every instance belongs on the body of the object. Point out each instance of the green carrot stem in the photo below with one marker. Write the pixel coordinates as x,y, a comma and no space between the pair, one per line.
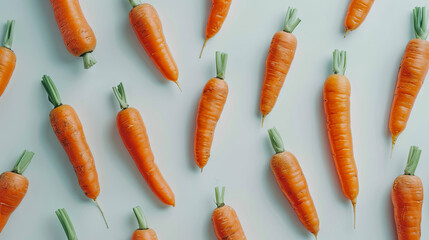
66,223
413,160
221,60
291,21
23,162
140,218
420,16
135,3
88,60
220,197
51,89
276,140
340,61
120,95
8,37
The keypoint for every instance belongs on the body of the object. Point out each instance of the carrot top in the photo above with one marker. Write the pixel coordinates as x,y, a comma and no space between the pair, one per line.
23,162
276,140
291,21
340,61
220,197
135,3
420,15
413,160
120,95
66,223
51,89
221,60
140,218
8,37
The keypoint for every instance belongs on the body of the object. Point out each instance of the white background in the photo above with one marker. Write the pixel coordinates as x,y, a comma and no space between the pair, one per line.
241,149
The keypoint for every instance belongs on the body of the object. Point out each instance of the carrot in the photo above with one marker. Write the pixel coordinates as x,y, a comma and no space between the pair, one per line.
280,57
210,108
225,221
7,57
407,198
68,129
218,13
77,34
148,28
143,232
66,223
356,14
133,133
293,184
13,187
412,73
336,95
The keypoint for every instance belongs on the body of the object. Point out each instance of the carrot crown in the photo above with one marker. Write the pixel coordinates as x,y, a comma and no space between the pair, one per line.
220,197
413,160
8,37
276,140
420,16
135,3
340,61
140,218
120,95
23,162
291,21
221,60
66,223
51,89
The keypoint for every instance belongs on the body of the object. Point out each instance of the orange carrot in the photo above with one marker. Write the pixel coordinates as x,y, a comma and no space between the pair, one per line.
336,95
210,108
218,13
68,129
407,198
356,14
148,28
133,133
77,34
293,184
143,232
280,57
225,221
13,187
7,57
66,223
412,73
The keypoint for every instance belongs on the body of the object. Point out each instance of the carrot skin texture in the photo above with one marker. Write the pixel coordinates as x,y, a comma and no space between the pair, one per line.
7,66
280,56
77,34
218,13
69,131
356,13
226,224
407,198
148,28
147,234
133,133
13,188
412,73
336,94
210,109
293,184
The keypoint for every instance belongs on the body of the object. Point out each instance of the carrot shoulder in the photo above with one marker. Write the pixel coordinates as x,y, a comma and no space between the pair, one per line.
133,133
280,56
7,57
210,108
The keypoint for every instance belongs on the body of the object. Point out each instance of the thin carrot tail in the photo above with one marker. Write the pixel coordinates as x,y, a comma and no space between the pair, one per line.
354,213
102,213
263,120
177,83
315,235
202,49
393,145
347,31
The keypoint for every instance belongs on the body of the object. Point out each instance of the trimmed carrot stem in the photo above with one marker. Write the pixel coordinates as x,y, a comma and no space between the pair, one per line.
221,60
8,38
51,89
220,197
66,223
140,218
23,162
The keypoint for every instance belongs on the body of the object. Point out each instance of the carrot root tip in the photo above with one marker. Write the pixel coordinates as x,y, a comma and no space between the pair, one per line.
88,60
347,31
202,49
263,120
177,83
354,213
102,213
393,145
